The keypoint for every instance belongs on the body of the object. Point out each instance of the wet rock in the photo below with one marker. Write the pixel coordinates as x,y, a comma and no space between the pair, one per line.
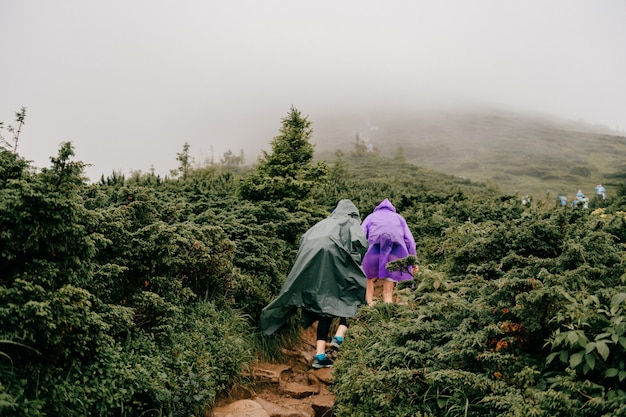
297,390
276,410
302,357
307,357
324,375
269,372
303,405
240,392
241,408
323,404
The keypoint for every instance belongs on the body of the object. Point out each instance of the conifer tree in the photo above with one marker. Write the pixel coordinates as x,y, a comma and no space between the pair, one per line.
286,175
185,160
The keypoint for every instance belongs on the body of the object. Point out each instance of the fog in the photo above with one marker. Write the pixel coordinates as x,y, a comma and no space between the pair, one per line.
129,82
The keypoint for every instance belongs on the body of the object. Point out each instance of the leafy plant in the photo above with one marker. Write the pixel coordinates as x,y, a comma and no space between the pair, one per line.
141,295
592,338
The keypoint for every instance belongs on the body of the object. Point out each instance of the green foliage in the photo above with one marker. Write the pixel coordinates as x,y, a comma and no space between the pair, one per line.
63,324
206,353
286,175
12,167
205,350
185,161
229,159
141,295
20,118
592,337
47,234
523,155
475,334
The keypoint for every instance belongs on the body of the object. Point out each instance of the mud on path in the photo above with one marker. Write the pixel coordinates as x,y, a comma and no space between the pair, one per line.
288,389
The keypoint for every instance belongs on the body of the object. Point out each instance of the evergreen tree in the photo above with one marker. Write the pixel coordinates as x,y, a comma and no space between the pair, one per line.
185,160
20,116
229,159
400,156
286,175
46,230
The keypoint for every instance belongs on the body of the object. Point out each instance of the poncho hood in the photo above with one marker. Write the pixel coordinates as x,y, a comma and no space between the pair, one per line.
385,205
346,208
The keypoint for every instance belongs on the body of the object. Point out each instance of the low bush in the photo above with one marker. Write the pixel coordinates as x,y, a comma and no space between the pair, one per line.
530,321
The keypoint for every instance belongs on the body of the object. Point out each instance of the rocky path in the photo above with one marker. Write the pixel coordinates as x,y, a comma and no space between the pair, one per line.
289,389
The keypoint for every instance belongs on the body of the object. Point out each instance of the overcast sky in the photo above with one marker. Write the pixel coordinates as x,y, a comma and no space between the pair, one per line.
128,82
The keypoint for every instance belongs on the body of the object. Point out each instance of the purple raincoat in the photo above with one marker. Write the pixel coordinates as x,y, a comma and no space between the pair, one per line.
389,239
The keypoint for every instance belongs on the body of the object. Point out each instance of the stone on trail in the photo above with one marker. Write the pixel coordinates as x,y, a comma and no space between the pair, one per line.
297,390
322,404
324,375
276,410
269,372
241,408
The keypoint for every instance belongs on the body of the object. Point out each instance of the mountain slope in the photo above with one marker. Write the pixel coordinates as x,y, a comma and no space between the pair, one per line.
534,155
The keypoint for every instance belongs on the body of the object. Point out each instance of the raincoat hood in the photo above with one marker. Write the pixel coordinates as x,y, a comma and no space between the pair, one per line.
385,204
346,208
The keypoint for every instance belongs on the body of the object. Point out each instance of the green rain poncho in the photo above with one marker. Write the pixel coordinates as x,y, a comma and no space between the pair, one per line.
326,278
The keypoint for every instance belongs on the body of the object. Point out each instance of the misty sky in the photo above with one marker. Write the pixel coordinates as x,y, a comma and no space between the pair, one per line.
129,82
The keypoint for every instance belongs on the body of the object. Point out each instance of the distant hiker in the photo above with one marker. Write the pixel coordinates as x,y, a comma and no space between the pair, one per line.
326,280
562,200
525,200
580,200
601,191
389,239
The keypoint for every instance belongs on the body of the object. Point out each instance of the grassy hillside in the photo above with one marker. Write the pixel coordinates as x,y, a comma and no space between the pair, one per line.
534,155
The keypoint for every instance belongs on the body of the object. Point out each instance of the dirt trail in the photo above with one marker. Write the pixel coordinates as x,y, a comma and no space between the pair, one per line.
289,389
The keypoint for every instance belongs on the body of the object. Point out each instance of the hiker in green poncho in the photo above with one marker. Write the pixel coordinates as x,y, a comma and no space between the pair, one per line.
326,280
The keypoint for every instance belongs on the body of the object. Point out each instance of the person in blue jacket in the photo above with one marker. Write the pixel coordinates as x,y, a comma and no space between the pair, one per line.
326,280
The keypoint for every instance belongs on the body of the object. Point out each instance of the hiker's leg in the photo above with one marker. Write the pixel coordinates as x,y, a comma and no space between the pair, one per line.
341,329
369,291
323,327
337,339
371,267
388,291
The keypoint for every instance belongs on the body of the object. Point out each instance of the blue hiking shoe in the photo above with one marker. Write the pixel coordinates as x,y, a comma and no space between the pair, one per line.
323,362
336,342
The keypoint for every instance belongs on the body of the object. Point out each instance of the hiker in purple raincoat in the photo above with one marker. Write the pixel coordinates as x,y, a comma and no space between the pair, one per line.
389,239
